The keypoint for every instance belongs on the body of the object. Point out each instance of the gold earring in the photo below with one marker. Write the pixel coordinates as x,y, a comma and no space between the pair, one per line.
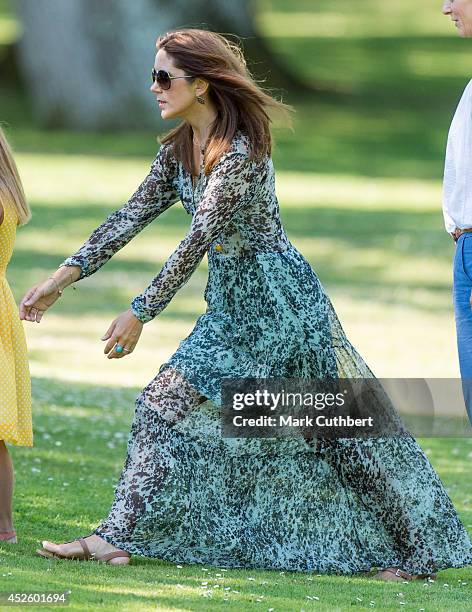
201,99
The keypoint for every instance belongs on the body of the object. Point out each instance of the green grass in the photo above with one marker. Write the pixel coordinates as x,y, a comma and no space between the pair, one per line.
65,486
359,183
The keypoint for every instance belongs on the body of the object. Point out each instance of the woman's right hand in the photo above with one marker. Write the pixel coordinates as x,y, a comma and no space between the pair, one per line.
38,299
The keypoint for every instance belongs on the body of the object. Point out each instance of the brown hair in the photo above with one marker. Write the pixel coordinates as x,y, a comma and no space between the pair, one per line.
240,102
11,189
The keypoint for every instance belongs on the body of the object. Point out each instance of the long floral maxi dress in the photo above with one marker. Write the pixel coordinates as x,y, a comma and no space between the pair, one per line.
186,494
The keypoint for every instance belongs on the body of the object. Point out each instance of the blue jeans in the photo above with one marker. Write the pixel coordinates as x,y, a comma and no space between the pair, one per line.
462,289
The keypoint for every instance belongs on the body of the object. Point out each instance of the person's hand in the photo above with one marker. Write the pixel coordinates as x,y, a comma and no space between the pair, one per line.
37,300
124,331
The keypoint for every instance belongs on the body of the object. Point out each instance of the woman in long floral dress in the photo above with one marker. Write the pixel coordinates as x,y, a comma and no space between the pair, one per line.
186,493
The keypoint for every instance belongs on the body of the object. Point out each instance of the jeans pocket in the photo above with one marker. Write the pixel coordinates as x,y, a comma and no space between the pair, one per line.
465,247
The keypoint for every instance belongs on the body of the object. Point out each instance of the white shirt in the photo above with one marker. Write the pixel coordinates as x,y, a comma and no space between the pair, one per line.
457,185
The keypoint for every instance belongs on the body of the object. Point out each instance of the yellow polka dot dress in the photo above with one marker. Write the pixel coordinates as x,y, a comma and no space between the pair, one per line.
15,385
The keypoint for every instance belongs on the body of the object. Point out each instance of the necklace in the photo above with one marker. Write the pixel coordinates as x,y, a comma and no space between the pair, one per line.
202,149
195,178
195,142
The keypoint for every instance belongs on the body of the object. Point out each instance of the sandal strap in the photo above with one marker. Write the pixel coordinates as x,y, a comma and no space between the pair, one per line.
112,555
85,548
399,572
7,535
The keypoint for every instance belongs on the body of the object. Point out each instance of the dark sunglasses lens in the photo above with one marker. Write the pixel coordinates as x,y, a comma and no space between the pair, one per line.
162,78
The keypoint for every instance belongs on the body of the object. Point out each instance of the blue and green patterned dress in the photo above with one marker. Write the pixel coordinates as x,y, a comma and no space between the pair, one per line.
186,494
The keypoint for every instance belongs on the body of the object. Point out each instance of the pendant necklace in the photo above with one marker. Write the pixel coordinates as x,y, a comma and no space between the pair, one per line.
194,184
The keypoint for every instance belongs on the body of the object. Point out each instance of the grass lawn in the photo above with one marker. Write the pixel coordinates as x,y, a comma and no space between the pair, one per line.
65,486
359,182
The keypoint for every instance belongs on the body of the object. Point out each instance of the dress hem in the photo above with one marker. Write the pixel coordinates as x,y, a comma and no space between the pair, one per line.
132,550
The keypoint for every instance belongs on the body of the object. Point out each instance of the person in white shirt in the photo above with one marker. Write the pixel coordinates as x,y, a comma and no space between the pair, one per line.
457,205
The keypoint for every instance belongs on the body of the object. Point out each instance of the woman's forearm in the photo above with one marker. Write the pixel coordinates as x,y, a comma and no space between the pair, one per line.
66,275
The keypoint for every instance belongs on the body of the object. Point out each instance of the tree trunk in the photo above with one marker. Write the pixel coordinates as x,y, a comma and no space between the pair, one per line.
87,64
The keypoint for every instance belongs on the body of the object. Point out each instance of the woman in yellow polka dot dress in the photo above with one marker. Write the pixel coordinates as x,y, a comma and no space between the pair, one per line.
15,386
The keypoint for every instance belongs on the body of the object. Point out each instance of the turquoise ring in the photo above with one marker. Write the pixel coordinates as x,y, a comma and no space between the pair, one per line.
118,348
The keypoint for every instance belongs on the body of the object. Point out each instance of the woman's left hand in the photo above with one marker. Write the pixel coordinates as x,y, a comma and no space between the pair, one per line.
124,331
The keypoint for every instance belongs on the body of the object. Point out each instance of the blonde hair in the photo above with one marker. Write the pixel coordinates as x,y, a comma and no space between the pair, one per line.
11,189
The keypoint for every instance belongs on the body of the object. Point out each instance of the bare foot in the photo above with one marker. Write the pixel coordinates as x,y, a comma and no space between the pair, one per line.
96,545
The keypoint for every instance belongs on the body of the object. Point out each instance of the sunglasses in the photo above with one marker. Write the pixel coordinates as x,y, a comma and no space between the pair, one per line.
163,78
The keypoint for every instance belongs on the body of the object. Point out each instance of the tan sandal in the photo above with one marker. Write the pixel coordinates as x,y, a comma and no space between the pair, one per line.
85,555
8,536
402,575
396,571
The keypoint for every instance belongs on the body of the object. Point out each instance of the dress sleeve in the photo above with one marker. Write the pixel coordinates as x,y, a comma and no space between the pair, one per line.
156,193
232,183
